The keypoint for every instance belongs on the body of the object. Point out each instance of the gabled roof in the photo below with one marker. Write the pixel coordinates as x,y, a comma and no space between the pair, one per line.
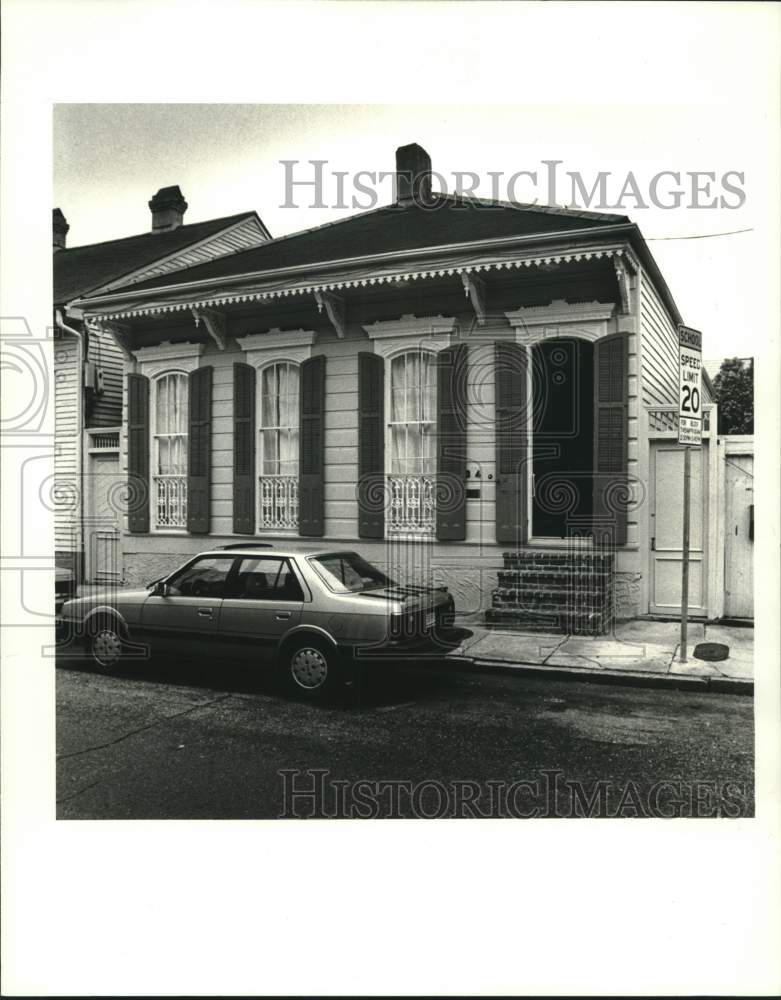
711,368
393,228
80,270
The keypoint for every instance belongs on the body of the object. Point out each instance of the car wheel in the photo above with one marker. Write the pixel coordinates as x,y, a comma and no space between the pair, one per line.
311,668
105,645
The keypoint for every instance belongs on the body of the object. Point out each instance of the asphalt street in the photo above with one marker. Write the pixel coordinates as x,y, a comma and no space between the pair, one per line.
179,741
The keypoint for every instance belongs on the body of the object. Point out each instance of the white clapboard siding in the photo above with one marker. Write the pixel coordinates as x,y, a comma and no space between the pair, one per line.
341,435
660,348
67,443
106,411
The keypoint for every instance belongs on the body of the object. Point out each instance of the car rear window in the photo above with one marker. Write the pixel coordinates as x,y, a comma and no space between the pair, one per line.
349,573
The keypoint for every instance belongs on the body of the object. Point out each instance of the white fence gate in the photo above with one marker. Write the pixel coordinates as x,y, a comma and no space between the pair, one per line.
738,527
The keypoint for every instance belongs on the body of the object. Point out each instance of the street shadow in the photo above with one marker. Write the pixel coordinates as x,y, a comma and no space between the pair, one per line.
379,680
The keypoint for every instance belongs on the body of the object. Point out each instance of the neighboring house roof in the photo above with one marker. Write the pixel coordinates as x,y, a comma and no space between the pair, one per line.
712,368
393,229
80,270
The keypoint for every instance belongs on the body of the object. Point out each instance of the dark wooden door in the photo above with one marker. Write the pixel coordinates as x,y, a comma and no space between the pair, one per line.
562,437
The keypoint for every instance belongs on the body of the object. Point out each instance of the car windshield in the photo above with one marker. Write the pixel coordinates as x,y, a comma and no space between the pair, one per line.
348,573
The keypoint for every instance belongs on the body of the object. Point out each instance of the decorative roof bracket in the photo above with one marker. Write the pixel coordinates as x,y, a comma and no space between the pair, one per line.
215,324
622,275
474,288
334,307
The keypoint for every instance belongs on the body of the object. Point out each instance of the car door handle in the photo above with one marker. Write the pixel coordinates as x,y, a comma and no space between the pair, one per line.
282,615
205,612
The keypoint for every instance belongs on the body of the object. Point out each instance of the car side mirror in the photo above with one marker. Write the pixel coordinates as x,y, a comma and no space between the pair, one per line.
160,589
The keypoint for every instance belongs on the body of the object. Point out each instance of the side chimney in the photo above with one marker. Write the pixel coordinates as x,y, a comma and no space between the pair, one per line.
60,229
413,175
168,207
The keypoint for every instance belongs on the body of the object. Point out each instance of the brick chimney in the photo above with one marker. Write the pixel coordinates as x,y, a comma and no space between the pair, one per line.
60,229
168,207
413,175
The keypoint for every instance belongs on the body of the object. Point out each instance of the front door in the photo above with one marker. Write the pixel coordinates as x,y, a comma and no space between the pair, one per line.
562,437
185,622
667,529
103,541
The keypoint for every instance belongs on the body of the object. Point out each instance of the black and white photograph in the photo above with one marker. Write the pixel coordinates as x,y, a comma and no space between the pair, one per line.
406,450
341,513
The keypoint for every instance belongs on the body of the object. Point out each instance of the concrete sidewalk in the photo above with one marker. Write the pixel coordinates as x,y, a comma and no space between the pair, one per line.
639,652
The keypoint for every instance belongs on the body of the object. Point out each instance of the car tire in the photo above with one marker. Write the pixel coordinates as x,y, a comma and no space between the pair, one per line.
311,668
105,644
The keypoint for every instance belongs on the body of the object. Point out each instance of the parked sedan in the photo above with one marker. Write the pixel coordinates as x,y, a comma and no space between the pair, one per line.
315,614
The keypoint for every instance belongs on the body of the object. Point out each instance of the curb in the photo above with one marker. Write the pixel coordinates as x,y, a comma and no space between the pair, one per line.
629,678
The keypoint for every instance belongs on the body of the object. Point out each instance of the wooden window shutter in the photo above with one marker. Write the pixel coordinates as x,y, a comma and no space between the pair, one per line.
371,445
199,450
311,463
611,437
511,442
244,382
138,453
451,443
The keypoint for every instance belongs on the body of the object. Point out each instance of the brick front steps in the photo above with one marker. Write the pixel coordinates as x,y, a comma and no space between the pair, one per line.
554,592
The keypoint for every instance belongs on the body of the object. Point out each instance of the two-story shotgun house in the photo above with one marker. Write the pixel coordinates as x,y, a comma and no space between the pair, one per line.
88,366
478,392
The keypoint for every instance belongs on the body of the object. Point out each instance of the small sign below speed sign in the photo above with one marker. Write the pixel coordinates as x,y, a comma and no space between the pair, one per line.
690,383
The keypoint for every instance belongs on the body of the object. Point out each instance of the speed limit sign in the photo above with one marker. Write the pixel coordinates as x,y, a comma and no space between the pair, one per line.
690,386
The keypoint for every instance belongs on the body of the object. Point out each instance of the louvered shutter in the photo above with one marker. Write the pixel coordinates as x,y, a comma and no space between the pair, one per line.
611,434
511,442
138,453
244,380
311,464
371,446
199,450
451,443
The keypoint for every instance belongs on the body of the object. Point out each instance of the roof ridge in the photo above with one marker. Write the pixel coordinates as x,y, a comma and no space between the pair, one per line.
138,236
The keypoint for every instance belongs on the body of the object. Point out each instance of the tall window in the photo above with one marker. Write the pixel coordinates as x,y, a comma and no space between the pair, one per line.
169,451
413,442
278,486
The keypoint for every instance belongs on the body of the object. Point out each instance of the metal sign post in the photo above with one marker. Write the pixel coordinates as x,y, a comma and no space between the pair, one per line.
687,464
689,433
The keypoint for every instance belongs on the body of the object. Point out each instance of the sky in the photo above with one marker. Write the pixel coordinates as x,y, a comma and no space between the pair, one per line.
109,159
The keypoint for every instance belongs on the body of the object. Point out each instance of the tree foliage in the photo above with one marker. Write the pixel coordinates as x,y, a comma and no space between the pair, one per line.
734,387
